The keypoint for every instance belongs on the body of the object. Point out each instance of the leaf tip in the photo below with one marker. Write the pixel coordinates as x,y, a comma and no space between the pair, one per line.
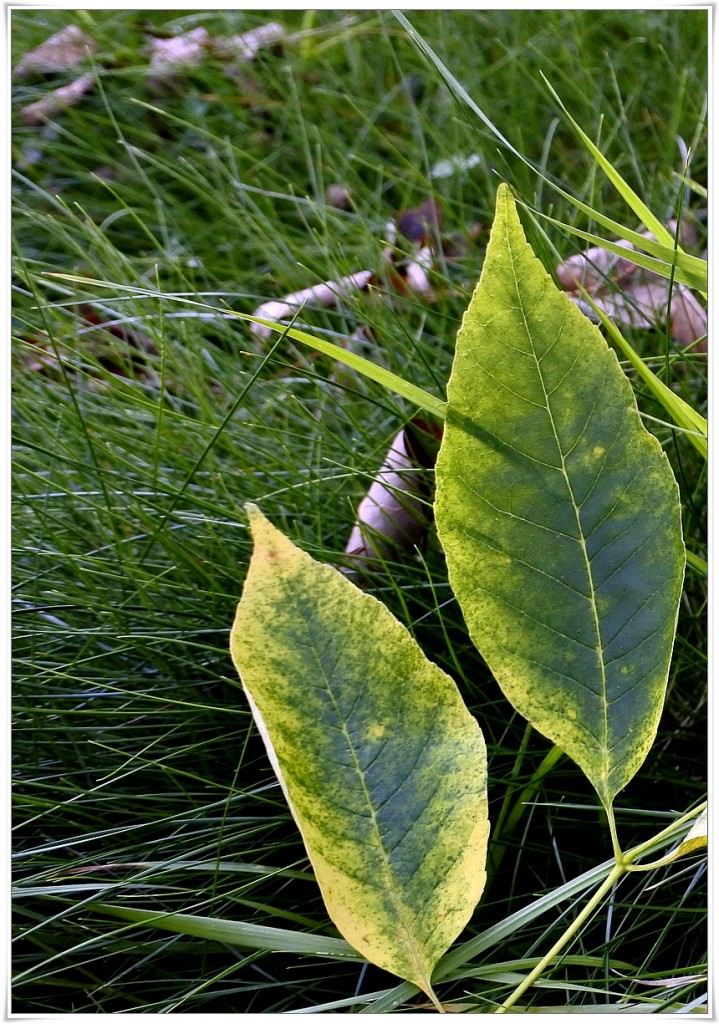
259,524
503,191
506,203
252,510
270,544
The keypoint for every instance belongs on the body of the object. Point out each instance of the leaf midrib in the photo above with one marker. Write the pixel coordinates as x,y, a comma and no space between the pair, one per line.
391,885
599,649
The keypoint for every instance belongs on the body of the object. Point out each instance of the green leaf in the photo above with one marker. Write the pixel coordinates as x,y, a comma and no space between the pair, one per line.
382,765
559,515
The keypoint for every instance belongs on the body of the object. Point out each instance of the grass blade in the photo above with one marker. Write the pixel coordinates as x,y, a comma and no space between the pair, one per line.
236,933
392,381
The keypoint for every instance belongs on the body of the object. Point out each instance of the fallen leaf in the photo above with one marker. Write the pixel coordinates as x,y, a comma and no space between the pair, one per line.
688,319
58,53
337,196
326,294
592,268
56,101
639,305
246,46
421,224
415,273
189,48
633,295
396,511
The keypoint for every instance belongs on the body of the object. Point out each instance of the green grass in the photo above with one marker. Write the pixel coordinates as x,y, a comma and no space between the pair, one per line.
139,779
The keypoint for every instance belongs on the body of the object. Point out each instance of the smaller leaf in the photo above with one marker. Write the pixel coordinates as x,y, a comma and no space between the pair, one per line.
183,50
383,767
688,320
247,45
662,259
326,294
633,294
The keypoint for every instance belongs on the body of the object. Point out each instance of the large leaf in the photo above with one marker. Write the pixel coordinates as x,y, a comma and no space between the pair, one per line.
559,515
382,765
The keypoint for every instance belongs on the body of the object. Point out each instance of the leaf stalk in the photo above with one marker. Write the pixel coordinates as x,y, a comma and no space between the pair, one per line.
615,874
624,864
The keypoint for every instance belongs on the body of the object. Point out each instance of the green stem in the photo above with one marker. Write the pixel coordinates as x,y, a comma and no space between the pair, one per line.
430,992
619,857
615,874
624,863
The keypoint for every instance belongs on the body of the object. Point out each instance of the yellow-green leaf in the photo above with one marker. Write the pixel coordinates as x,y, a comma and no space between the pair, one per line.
382,765
559,515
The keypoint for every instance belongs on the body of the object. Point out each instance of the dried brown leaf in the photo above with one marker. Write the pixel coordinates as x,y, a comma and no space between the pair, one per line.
688,320
326,294
338,196
395,512
415,273
56,101
245,47
64,50
188,49
423,223
594,267
633,295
